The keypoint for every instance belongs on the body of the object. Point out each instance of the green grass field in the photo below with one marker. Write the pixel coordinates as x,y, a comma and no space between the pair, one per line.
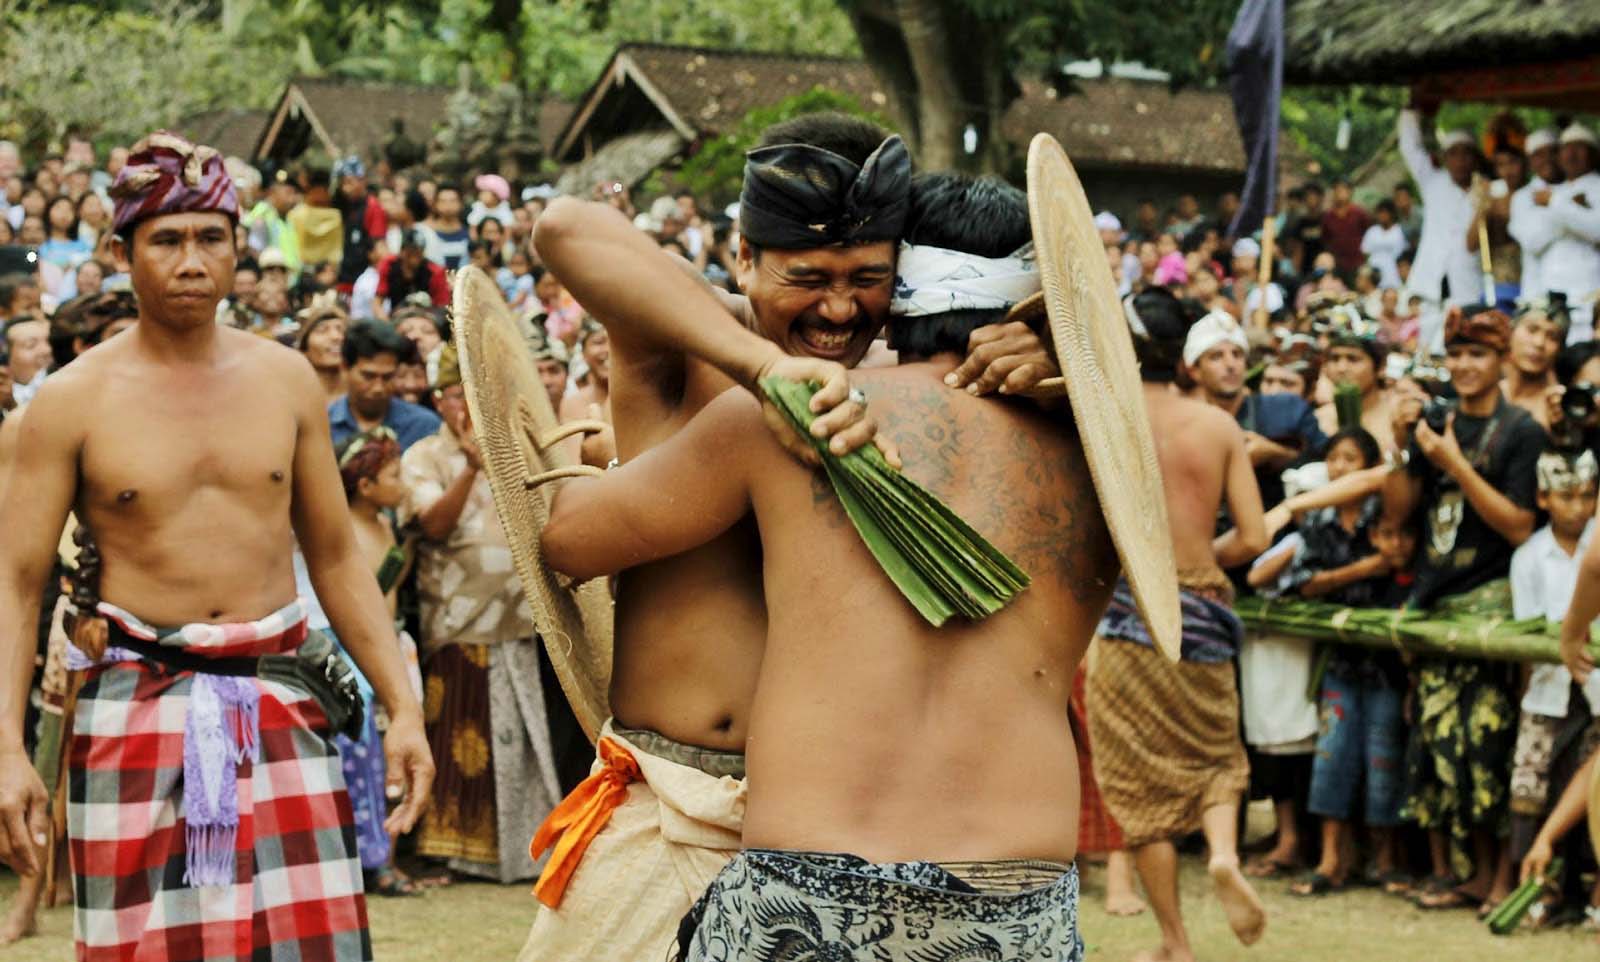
489,922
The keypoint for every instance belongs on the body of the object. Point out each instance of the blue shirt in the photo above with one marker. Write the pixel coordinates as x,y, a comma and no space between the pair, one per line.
409,422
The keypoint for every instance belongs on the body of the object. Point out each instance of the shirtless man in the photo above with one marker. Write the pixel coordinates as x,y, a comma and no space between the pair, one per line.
690,629
1166,736
197,454
1358,358
864,713
1536,339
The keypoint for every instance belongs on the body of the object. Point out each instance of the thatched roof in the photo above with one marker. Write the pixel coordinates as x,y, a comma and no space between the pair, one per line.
698,92
1398,41
233,131
338,117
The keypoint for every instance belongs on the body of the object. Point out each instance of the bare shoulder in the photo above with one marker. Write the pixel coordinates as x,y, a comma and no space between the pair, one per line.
269,359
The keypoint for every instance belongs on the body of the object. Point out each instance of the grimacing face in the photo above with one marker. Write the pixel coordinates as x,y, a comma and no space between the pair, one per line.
826,303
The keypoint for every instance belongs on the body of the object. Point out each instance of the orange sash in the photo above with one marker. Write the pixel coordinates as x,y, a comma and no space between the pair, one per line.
580,817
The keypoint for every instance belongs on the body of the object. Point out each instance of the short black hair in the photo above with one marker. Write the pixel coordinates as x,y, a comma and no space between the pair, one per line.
1388,205
1341,182
416,204
1405,187
368,339
10,284
984,216
441,188
1572,358
1166,319
852,138
1371,454
1312,187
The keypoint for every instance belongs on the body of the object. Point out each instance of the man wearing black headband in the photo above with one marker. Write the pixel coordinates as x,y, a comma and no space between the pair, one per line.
824,204
820,220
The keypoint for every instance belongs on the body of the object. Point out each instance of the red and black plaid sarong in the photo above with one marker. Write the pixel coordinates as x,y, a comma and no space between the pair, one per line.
1097,830
295,890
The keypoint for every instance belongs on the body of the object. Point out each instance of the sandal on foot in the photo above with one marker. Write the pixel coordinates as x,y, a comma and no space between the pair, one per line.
1316,885
436,877
1394,882
389,883
1268,868
1448,899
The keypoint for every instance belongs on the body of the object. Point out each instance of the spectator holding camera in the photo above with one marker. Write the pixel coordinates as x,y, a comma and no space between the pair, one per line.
1470,469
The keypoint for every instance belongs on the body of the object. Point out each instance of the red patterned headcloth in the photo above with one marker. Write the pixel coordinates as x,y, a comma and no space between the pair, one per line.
166,174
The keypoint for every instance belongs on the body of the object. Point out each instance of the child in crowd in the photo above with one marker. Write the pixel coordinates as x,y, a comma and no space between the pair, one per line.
1556,731
369,466
516,281
1360,756
1327,557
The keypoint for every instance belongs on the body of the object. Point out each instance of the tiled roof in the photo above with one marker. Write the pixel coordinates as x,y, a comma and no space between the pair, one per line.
1132,123
358,116
233,132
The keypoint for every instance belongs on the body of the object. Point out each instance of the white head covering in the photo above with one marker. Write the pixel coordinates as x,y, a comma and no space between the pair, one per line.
1214,329
1246,247
1455,138
1105,220
936,280
1558,471
1252,301
1579,134
1540,139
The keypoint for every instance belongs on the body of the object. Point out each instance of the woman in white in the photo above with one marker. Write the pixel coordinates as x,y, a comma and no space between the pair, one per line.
1384,242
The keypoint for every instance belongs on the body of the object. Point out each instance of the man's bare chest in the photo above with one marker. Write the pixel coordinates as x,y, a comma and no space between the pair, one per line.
159,454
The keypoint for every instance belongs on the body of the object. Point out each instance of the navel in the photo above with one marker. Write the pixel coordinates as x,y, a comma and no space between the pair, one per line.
126,496
216,614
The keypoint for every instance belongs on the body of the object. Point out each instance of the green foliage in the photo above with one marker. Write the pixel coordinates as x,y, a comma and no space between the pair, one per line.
1311,117
717,168
117,75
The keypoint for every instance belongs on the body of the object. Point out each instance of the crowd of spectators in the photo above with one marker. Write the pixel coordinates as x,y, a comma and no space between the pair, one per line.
1422,420
1417,389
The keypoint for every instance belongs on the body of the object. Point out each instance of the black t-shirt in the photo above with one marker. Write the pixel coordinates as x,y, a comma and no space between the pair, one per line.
1459,550
1307,229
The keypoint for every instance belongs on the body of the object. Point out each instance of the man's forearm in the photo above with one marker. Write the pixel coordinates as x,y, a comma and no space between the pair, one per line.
18,629
1498,511
350,596
440,517
589,245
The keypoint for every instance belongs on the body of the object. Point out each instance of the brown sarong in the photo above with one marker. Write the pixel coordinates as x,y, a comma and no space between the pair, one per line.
1166,739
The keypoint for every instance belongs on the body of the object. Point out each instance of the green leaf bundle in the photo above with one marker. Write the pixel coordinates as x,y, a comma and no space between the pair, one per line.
1490,637
1505,918
938,562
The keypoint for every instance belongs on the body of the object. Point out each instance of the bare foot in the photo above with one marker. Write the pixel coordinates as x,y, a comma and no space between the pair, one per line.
1123,904
1246,915
1165,953
19,923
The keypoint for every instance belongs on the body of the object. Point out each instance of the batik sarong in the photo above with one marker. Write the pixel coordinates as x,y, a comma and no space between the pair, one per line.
490,735
1457,760
229,782
1097,831
634,846
772,906
1166,734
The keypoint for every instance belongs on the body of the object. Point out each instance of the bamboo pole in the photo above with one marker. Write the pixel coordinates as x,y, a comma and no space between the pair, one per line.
1261,317
1484,259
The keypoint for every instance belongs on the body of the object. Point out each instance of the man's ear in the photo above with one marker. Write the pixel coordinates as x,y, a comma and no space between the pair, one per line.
744,264
120,255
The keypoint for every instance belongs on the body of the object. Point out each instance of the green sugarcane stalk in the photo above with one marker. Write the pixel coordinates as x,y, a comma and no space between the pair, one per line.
1413,632
1509,914
939,563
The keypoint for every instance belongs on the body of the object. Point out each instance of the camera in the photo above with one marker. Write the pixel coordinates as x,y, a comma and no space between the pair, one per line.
1436,413
1578,403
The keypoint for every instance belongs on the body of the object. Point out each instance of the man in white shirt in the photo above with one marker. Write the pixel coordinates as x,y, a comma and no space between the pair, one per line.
1544,571
1531,225
1442,255
1571,264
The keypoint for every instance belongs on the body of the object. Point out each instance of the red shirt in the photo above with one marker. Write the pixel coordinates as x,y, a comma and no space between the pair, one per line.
438,285
1342,233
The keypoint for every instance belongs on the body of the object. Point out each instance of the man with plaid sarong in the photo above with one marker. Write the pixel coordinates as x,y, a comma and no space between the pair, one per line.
207,813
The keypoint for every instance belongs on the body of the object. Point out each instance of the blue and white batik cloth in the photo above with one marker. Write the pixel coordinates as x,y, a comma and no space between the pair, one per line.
773,906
